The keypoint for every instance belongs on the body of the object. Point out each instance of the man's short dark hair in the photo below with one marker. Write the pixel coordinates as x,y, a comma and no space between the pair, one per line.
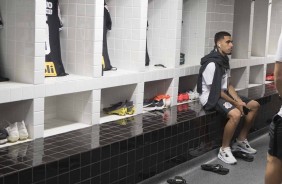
220,35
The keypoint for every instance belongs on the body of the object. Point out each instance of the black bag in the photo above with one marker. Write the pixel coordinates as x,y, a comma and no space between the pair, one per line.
53,61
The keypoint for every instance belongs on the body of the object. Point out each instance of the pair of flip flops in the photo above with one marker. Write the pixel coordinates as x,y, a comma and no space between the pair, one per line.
244,156
176,180
216,168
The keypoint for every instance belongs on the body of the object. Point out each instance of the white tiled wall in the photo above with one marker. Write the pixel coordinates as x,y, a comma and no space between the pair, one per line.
219,17
81,37
275,25
193,30
75,107
164,18
256,75
187,83
127,39
261,26
22,47
243,25
239,78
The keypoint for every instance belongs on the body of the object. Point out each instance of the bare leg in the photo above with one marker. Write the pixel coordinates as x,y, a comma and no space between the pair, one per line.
234,117
249,119
273,170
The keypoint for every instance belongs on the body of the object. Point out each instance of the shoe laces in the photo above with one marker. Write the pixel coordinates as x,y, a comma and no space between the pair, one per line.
246,142
226,151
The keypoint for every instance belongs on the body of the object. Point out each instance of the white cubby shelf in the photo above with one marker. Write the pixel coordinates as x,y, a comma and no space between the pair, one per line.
55,105
120,94
67,112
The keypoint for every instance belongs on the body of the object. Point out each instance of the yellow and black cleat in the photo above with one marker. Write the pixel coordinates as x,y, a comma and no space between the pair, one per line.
121,111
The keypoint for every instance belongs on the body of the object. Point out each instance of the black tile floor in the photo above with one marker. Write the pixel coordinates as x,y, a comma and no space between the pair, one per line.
128,150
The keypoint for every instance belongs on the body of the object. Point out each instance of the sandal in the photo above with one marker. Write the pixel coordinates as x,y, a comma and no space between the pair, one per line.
244,156
217,168
176,180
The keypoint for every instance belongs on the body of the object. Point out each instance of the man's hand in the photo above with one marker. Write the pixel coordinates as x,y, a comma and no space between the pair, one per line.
239,105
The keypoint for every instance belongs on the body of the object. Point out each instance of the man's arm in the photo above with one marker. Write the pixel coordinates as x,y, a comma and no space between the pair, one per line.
278,77
237,102
233,93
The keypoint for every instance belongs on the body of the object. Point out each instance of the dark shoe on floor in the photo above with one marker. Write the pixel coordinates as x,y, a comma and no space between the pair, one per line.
242,155
176,180
217,168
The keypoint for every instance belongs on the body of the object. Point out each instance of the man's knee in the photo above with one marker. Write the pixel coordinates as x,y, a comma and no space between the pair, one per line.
253,105
234,115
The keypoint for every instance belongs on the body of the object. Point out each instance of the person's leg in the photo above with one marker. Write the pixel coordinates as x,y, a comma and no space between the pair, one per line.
233,114
233,119
249,119
273,170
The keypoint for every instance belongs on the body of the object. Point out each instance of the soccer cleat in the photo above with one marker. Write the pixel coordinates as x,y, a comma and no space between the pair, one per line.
180,98
243,146
117,109
130,109
3,136
185,96
149,105
165,99
23,134
160,104
13,132
269,77
226,156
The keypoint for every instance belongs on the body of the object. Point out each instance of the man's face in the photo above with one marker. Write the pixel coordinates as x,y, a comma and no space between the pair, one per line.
225,45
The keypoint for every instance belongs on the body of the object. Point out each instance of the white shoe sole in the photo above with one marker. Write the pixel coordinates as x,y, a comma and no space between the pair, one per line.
3,141
13,139
225,161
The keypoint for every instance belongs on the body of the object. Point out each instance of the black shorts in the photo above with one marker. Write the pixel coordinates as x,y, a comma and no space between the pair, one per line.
275,133
224,107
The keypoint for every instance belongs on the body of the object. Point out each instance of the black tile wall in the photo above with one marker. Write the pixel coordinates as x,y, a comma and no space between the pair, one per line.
128,152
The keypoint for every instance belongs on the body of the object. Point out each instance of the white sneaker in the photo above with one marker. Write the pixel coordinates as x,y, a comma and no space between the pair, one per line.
13,132
243,146
23,134
226,156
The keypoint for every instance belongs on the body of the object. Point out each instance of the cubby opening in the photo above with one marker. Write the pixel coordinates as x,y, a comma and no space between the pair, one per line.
21,52
159,87
17,112
256,75
239,78
243,29
261,22
188,84
193,28
275,26
119,96
79,40
126,39
64,113
163,34
269,72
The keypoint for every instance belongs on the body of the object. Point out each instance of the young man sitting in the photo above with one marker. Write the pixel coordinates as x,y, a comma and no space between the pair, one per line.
216,93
